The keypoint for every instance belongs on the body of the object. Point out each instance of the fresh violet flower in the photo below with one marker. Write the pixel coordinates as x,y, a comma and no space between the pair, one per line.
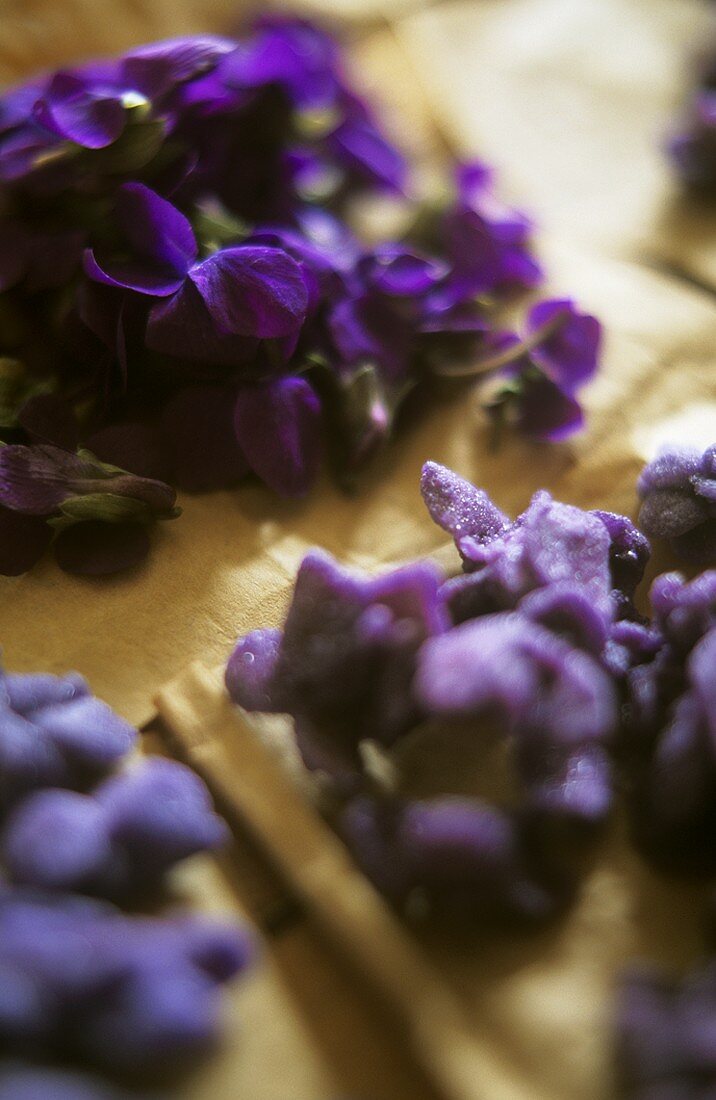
156,234
120,840
126,994
99,512
545,370
277,426
74,109
486,243
180,211
678,493
54,733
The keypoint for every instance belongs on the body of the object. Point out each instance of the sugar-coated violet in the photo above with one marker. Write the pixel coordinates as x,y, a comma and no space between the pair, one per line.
79,979
678,493
82,980
528,649
54,733
183,303
118,840
665,1033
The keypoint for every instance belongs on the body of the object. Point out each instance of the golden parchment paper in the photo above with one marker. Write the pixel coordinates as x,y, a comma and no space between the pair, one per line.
570,100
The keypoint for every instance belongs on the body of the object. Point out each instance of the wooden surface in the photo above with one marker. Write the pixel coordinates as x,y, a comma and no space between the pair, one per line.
570,99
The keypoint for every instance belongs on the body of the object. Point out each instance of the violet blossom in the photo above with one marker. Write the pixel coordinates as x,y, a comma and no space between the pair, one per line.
174,228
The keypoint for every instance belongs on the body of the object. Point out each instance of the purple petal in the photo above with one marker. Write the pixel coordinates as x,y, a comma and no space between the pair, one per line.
161,240
157,68
278,426
34,480
161,810
182,325
548,414
405,274
23,541
252,291
359,146
569,352
458,507
155,229
97,549
197,427
72,111
673,468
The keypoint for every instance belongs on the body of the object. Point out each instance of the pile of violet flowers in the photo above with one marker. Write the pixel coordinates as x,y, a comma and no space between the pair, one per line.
87,834
536,657
184,303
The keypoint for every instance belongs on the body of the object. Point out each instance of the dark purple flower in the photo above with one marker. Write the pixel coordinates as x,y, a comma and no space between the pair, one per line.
250,292
278,428
486,243
678,492
158,68
27,1082
156,235
557,356
74,109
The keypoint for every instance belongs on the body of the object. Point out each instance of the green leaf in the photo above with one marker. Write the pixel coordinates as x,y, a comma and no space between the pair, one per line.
106,507
132,151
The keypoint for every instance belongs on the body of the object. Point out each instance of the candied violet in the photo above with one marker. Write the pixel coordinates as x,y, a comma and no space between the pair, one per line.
20,1081
119,840
124,993
531,649
549,544
678,493
54,733
666,1033
459,859
343,664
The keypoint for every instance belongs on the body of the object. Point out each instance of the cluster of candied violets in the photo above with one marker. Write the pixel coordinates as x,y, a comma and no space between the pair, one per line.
536,644
83,830
666,1027
693,149
182,302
